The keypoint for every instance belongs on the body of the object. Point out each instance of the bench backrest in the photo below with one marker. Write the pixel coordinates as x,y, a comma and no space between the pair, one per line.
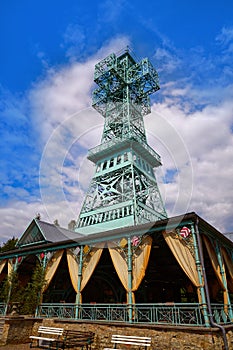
72,337
50,330
130,340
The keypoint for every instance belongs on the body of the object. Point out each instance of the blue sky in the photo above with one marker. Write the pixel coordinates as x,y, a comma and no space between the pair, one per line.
48,53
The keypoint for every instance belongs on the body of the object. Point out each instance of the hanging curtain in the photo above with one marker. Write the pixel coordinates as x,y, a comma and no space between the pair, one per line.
89,264
73,269
120,264
140,259
2,265
229,264
183,255
10,267
214,260
216,266
51,267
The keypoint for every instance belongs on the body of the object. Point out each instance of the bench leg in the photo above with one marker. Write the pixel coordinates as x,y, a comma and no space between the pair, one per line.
36,344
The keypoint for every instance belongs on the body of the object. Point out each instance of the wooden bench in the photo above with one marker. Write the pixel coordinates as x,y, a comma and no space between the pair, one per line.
47,337
75,339
129,340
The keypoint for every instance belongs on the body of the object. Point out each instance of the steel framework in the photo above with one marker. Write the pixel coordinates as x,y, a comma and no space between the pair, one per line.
124,189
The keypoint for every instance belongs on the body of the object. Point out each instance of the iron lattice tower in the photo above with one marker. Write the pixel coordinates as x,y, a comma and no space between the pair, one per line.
124,190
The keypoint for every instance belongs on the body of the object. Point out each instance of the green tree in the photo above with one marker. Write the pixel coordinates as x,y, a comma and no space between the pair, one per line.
9,245
11,291
31,294
27,298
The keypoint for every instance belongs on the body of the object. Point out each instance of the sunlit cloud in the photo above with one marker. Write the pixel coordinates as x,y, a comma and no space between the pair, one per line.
208,141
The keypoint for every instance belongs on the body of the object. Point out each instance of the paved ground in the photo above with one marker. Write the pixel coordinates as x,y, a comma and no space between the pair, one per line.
15,347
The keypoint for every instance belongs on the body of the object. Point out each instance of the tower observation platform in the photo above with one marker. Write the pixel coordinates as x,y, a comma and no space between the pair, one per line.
123,191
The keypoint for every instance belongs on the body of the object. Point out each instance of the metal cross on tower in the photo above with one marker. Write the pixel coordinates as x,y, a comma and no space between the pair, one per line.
123,191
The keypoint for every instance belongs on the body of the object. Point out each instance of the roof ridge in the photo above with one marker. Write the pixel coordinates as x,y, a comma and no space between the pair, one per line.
49,223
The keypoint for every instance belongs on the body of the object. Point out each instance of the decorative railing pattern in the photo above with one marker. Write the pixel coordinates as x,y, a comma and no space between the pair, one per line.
220,314
175,314
2,309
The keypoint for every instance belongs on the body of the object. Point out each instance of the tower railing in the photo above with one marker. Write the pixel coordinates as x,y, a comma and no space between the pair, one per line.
93,152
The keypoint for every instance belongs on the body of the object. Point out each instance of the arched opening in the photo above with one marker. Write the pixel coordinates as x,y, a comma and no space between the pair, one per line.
25,269
164,280
215,290
104,285
60,288
4,274
229,282
3,279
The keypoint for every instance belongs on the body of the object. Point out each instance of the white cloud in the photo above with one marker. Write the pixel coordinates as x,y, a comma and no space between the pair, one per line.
109,11
74,39
169,59
16,217
225,39
208,142
66,90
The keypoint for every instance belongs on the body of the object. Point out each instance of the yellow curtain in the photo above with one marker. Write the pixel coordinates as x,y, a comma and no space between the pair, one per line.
90,262
10,267
2,264
140,260
214,260
229,263
120,264
73,269
216,266
183,256
51,267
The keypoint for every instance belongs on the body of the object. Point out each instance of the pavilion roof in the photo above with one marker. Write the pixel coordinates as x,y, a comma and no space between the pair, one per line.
41,235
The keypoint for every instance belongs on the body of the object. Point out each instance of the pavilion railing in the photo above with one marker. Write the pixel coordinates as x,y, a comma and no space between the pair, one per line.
164,314
220,314
2,309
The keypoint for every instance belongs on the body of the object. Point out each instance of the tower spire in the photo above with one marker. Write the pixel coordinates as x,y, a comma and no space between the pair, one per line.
123,191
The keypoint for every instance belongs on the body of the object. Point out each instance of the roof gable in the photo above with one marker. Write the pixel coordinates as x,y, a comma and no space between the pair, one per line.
32,235
39,232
